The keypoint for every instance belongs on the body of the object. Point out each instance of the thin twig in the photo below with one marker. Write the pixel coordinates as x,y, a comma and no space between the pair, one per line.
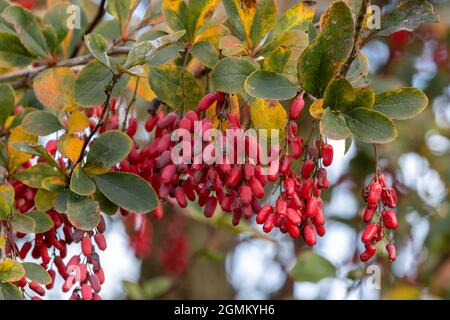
98,17
357,39
130,104
183,84
29,73
108,92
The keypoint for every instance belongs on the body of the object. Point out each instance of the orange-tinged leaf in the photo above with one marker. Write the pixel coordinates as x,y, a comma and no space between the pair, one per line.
246,10
316,109
54,88
77,122
269,114
11,271
213,33
70,146
16,158
296,17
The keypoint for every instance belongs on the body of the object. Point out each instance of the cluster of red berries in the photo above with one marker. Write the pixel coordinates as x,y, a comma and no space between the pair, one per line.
382,199
299,207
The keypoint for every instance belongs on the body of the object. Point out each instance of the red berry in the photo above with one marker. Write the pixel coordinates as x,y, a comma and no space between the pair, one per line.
86,292
264,213
312,207
296,107
180,196
234,177
309,234
392,253
368,213
256,187
86,246
100,241
369,233
270,223
307,169
374,193
132,127
36,287
293,216
207,101
327,155
210,207
390,219
245,193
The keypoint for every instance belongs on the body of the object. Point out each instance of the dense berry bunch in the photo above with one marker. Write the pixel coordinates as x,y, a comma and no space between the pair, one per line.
380,199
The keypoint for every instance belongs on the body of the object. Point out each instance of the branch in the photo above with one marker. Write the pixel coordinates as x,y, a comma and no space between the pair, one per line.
98,17
31,72
357,39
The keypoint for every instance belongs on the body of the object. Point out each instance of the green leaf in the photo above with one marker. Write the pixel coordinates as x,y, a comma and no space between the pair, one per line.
230,73
165,81
175,14
41,123
6,200
23,223
407,16
109,149
358,71
42,221
156,287
119,9
333,125
199,12
270,85
37,150
80,183
401,104
90,84
11,271
311,267
44,200
61,200
27,29
9,291
12,51
82,212
7,102
51,38
348,144
34,175
264,20
166,54
370,126
341,96
54,18
35,272
3,155
145,51
128,191
324,56
277,60
206,53
296,17
98,47
106,206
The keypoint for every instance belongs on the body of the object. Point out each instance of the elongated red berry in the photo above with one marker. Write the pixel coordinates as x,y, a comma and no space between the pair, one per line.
389,197
100,241
307,169
36,287
309,234
286,165
210,207
207,101
306,191
319,218
312,207
295,145
368,213
293,230
327,155
390,220
24,250
180,196
168,173
281,207
151,123
256,187
234,177
289,187
245,193
296,107
374,194
320,230
270,223
264,213
132,127
293,216
86,292
86,246
392,252
167,121
369,232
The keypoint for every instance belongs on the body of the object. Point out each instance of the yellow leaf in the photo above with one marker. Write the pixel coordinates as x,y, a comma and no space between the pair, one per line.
295,17
213,33
246,10
96,170
207,10
54,88
316,109
233,107
2,242
144,91
11,271
16,158
269,114
403,291
77,122
70,146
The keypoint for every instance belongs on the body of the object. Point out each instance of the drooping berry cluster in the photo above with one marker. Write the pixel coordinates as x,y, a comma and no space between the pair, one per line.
299,207
379,198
